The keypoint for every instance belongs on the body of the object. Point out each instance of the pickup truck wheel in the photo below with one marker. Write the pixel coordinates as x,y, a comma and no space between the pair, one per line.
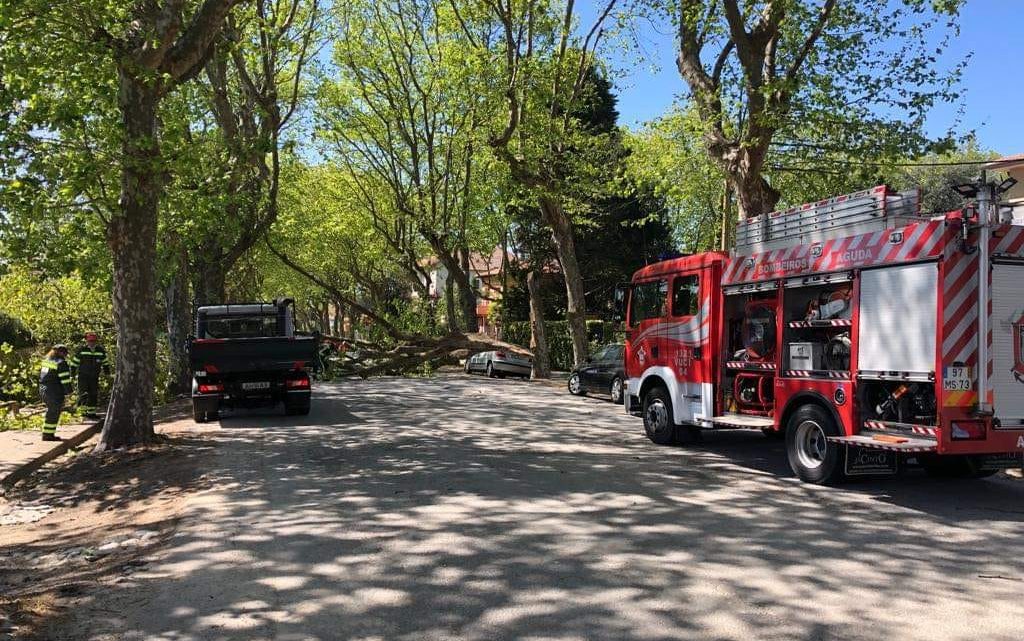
811,455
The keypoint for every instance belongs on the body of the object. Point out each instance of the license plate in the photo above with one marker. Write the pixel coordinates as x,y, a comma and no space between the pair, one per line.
957,378
863,461
254,386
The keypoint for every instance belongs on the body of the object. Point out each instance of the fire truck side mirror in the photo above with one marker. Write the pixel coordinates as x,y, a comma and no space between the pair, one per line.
619,306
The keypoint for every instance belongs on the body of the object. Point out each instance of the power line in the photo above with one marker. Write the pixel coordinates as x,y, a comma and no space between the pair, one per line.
864,163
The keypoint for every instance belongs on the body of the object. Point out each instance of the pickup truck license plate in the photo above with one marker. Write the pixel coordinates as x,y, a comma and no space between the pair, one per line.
255,386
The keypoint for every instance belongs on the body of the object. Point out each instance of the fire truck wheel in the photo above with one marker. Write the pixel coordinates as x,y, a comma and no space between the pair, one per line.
616,391
575,386
659,423
953,467
811,456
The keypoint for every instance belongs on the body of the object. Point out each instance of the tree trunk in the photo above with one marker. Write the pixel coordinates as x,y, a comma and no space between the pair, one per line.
449,300
467,302
336,322
565,246
179,320
209,282
538,335
132,239
754,195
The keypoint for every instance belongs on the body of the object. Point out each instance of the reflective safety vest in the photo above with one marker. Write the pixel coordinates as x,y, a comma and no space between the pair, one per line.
55,372
88,360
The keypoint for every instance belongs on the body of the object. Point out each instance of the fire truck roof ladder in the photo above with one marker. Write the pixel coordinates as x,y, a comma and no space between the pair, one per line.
865,211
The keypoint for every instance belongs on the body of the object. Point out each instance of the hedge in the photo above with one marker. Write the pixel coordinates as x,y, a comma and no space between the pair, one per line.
559,343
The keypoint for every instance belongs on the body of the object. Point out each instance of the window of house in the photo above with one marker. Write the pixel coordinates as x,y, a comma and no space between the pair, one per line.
648,301
685,296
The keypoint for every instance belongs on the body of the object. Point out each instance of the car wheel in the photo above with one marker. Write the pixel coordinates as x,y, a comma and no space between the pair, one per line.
297,409
616,390
490,370
198,415
575,385
811,455
659,422
466,369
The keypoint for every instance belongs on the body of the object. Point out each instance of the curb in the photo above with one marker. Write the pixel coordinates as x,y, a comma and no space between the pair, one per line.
27,469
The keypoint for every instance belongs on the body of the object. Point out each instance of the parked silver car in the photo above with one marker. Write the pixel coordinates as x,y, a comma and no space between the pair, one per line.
499,363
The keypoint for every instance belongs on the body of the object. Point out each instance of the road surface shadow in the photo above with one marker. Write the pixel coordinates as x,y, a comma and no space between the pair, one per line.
459,508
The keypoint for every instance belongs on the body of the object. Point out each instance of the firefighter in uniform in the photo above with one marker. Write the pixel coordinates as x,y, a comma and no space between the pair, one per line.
87,361
54,384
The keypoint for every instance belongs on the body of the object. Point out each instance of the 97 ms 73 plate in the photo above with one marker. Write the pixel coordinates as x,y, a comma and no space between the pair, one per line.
256,386
957,378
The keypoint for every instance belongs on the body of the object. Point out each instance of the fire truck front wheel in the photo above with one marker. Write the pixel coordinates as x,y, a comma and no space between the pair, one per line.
659,422
811,455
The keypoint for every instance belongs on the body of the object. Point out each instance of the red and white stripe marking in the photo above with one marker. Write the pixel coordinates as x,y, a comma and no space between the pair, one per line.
750,365
834,322
819,373
889,426
916,242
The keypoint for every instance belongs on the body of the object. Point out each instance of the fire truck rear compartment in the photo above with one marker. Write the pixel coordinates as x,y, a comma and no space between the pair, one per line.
1007,353
748,377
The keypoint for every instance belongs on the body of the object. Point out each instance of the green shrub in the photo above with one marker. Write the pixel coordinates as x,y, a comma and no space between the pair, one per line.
13,333
19,374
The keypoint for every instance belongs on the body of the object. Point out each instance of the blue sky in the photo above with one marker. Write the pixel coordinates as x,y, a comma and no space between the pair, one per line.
994,108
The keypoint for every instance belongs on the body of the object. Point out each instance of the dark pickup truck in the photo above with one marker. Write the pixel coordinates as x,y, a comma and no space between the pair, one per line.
247,355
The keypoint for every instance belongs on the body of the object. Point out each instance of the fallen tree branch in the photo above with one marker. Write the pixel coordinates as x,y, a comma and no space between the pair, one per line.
408,355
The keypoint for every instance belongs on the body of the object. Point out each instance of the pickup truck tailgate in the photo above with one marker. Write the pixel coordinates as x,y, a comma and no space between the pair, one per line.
253,354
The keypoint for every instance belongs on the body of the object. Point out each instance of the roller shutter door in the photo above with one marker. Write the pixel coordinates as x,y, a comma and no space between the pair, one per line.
897,318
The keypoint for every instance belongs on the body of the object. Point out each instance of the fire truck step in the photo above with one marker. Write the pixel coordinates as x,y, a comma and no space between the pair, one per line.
913,444
741,421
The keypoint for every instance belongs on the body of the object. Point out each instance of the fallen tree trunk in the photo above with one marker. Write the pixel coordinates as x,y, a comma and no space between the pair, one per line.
374,360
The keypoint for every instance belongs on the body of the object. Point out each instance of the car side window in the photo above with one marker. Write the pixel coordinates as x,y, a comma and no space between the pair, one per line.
648,301
685,296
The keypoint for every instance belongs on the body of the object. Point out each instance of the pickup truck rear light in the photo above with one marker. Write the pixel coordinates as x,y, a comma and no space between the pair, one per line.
968,431
210,388
297,383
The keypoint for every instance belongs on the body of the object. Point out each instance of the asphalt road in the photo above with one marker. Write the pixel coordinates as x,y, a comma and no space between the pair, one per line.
465,508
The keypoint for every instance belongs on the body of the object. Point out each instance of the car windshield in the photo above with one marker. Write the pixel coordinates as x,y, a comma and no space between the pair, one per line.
240,327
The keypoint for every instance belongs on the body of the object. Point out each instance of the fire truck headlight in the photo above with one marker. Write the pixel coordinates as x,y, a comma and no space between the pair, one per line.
968,431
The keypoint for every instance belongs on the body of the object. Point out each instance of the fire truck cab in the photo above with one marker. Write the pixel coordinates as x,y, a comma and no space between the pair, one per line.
850,327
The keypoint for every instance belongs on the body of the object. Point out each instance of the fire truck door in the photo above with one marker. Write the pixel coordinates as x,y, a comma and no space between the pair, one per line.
689,351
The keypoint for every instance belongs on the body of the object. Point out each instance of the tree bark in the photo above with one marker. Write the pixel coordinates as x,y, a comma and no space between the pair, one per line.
565,246
179,319
538,335
132,239
451,318
155,54
209,282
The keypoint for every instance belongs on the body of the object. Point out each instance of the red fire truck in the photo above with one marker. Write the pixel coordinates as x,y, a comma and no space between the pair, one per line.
851,328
